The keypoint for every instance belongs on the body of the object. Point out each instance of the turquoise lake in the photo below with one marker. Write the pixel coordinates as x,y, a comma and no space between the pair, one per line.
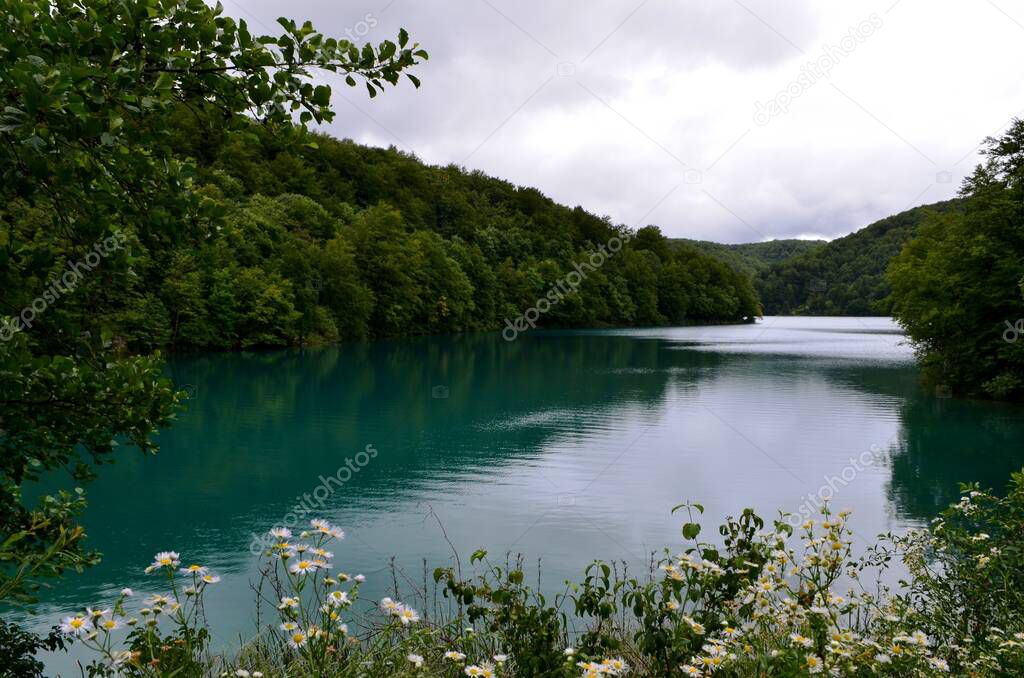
565,446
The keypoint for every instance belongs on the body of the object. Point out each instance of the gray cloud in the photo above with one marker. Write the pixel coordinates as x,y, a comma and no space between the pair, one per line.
609,105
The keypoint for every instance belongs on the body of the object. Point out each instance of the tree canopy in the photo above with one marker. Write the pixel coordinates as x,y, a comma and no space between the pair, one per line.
957,287
846,276
754,257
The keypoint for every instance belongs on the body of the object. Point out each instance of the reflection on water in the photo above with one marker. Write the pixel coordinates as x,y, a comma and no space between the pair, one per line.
562,445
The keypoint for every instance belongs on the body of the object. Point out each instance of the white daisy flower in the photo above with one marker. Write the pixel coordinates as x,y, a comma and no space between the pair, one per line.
617,665
416,659
798,639
454,655
407,615
303,567
75,626
166,559
108,624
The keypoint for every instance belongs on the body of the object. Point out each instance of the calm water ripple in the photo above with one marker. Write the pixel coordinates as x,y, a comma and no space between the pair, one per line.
563,445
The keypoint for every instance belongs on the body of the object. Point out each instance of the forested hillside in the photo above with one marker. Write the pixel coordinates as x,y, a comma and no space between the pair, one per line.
753,257
325,240
845,276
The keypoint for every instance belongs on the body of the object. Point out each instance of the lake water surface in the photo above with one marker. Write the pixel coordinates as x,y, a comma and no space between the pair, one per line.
567,446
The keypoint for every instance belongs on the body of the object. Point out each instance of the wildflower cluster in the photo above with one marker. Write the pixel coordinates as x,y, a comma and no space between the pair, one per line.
605,667
482,670
166,634
313,596
769,602
761,600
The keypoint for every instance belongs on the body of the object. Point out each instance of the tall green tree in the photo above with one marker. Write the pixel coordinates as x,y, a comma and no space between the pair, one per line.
957,287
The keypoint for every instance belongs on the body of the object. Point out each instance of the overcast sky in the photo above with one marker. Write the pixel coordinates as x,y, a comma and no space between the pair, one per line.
727,120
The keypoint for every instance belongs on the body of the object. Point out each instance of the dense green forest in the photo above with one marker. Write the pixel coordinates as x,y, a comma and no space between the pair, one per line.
847,275
332,240
753,257
323,240
958,287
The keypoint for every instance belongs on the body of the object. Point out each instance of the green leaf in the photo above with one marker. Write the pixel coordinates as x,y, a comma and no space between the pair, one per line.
164,81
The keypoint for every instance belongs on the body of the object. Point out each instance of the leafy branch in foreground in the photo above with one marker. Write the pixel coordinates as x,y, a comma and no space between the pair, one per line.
91,177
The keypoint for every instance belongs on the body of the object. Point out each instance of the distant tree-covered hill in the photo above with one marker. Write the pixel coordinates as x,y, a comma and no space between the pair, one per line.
753,257
845,276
